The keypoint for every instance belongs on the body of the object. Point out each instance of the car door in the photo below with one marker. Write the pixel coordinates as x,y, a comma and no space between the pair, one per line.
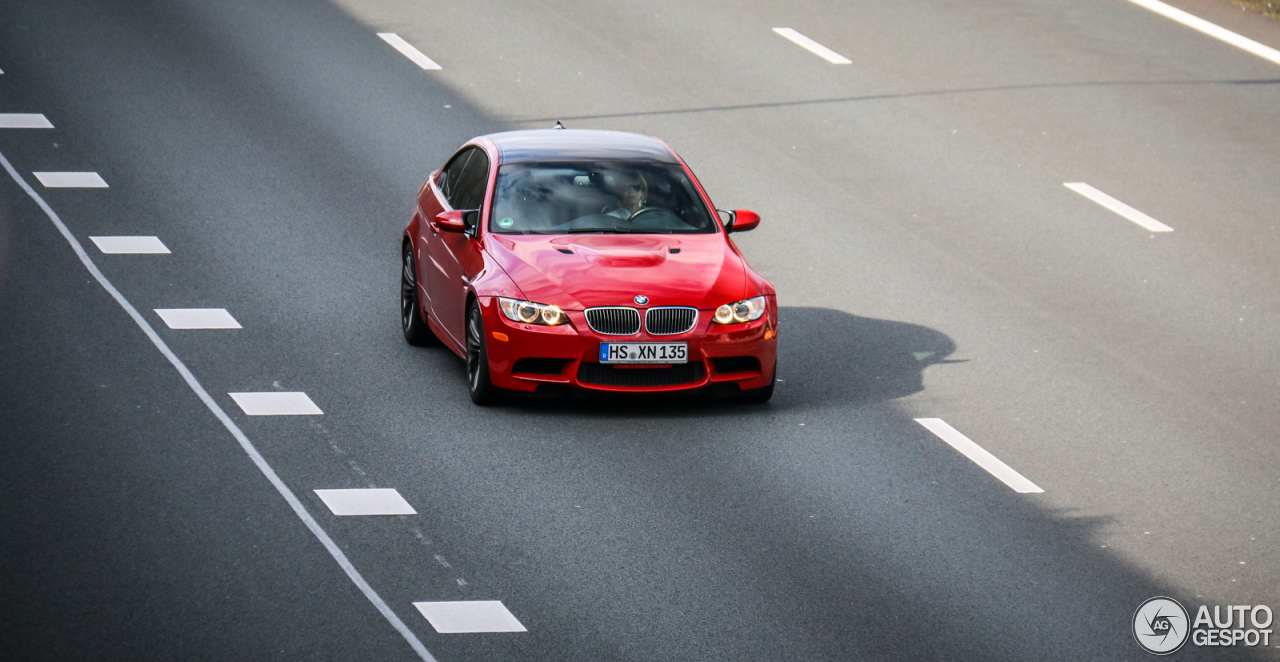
433,199
463,184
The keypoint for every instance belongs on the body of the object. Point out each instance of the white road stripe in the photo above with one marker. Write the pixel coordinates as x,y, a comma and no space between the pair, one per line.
1196,23
1118,207
469,616
70,179
980,456
373,501
406,49
24,121
130,245
219,413
813,46
275,403
198,318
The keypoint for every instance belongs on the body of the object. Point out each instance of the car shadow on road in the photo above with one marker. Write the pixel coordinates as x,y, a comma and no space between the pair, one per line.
825,357
869,538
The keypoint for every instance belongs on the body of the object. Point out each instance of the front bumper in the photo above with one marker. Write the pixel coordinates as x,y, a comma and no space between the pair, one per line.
523,357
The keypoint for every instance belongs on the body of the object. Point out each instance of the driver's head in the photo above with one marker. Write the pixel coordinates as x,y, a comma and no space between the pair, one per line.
631,189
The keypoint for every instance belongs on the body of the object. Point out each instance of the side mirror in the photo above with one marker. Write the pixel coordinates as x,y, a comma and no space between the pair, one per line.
450,221
471,221
742,220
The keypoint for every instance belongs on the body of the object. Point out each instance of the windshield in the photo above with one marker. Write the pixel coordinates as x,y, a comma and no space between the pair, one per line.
590,197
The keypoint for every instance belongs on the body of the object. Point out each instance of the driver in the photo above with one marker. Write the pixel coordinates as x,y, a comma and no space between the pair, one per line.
632,191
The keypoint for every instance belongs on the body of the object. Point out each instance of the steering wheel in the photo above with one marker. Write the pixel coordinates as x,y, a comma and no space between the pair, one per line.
645,210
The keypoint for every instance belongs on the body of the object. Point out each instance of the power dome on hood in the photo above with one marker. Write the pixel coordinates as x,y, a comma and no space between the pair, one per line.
576,272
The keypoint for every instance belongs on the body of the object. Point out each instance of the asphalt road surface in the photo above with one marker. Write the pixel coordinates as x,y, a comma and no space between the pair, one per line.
930,264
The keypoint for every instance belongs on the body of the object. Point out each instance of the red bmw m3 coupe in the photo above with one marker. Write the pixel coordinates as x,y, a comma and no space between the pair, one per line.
589,260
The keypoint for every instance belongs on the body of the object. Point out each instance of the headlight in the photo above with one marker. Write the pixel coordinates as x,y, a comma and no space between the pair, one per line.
531,313
743,311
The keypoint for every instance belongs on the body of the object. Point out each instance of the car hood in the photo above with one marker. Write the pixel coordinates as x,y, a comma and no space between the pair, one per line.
581,271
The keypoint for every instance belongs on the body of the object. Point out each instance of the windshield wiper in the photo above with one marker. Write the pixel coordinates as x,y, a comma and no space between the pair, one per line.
590,230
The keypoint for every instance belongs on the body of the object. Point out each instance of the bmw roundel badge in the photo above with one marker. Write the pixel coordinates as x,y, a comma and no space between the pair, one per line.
641,299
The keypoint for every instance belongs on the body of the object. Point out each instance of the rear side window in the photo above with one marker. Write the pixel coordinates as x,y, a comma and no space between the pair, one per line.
451,173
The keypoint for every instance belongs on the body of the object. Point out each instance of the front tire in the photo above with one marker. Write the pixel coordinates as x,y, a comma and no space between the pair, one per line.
479,386
416,330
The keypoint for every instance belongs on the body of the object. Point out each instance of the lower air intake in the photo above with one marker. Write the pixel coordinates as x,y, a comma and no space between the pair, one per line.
607,375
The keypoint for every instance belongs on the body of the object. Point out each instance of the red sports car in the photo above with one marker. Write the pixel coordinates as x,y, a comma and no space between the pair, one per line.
589,260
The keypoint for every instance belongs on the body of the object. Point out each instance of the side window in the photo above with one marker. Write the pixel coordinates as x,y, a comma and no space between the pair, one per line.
451,173
467,191
464,179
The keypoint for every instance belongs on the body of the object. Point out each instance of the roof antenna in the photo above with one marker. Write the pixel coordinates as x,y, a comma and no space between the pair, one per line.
558,126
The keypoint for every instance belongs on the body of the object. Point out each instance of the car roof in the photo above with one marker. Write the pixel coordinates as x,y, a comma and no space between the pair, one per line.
578,145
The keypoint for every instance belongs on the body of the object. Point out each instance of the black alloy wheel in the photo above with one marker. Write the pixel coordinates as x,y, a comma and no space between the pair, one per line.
416,331
482,390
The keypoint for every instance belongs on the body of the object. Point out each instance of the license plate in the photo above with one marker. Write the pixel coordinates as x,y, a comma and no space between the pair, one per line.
644,352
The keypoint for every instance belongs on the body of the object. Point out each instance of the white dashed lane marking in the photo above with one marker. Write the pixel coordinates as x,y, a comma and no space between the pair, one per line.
70,179
1118,207
374,501
469,616
130,245
813,46
1217,32
406,49
198,318
217,410
979,455
276,404
24,121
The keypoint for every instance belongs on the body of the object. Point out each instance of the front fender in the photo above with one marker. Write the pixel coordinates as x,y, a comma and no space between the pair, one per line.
492,281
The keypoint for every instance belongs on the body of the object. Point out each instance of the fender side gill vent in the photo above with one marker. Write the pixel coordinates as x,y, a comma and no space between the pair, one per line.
565,251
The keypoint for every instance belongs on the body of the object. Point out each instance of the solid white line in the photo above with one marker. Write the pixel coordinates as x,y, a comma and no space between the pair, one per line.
1118,207
70,179
198,318
813,46
24,121
239,435
130,245
371,501
406,49
1196,23
980,456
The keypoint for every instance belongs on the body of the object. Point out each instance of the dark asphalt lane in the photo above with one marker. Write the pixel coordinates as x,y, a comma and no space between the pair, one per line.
929,261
